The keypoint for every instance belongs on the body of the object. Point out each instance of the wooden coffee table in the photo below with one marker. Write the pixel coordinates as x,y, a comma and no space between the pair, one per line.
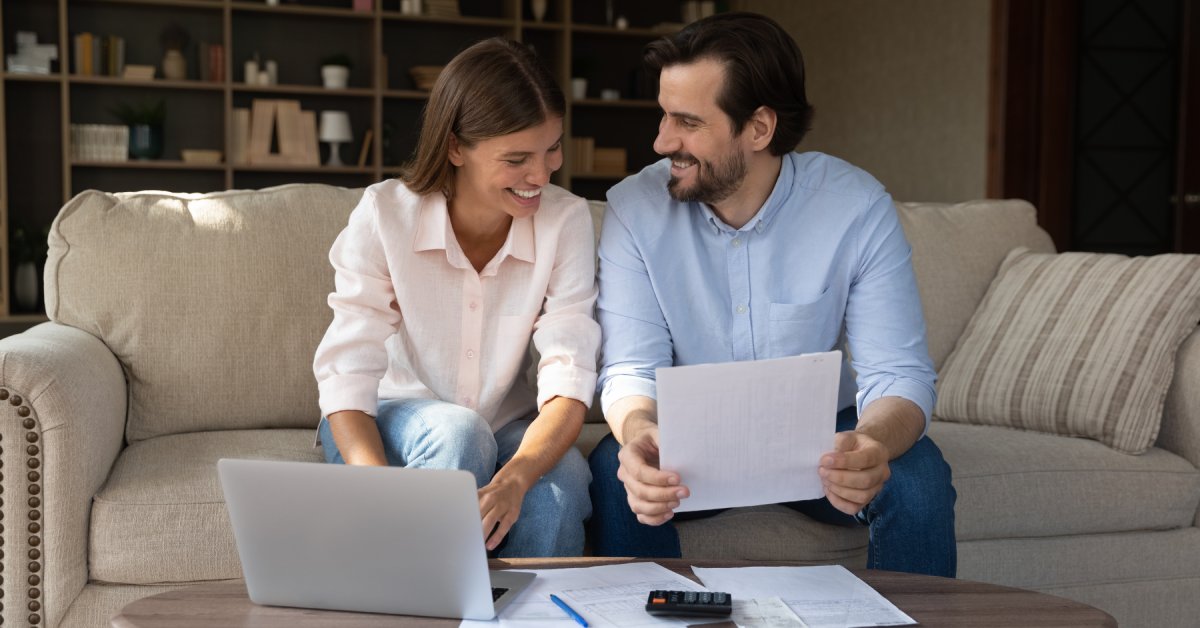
930,601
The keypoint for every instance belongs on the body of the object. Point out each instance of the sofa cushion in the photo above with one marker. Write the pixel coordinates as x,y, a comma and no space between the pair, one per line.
772,533
161,516
1014,483
1078,344
213,303
957,249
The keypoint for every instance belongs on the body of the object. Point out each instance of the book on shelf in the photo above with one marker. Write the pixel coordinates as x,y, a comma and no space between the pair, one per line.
212,62
581,153
240,123
293,131
139,72
82,54
609,161
366,146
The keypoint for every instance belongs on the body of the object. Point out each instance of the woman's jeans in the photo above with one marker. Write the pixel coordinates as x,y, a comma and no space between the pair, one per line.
911,520
432,434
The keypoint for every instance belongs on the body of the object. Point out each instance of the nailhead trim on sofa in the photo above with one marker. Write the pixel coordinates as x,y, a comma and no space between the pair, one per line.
33,462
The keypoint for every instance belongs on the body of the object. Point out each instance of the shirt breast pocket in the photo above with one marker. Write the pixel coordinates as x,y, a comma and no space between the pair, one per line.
795,328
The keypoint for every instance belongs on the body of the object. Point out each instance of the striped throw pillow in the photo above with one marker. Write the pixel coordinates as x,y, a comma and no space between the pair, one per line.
1077,344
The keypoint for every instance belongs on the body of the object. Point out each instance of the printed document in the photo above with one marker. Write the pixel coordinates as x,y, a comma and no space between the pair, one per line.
748,433
827,596
606,595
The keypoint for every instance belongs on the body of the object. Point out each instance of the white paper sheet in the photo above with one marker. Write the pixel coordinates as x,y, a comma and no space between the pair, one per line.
748,433
606,595
827,596
769,612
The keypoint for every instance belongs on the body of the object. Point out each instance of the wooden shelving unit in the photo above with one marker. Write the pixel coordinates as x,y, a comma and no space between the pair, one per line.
37,174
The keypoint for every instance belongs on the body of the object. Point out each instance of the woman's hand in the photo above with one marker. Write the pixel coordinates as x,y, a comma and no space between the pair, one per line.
500,506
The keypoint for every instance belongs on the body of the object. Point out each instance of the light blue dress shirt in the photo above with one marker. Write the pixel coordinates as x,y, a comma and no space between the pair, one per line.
824,255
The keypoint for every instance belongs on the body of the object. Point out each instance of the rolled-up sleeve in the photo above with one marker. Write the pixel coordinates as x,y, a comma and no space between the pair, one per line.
566,333
636,338
352,358
885,325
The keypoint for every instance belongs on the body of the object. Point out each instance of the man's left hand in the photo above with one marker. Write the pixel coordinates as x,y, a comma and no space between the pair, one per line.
854,472
499,507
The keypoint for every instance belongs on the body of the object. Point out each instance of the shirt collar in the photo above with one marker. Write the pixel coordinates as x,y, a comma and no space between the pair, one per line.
761,220
434,232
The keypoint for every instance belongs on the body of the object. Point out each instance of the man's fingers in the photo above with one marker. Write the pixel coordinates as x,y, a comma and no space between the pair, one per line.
637,468
858,497
853,479
843,505
655,520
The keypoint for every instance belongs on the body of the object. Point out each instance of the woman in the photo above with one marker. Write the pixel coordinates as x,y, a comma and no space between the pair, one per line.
442,277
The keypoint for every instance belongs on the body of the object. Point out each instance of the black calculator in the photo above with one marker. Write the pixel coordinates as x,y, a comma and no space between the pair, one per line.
694,603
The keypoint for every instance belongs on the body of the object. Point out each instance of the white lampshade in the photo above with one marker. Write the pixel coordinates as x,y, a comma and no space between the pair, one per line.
335,126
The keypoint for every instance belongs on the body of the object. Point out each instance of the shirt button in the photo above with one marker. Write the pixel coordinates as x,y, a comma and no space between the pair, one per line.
466,401
473,305
470,354
737,242
741,309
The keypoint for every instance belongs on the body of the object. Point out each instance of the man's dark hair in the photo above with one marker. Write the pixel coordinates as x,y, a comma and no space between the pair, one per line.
763,68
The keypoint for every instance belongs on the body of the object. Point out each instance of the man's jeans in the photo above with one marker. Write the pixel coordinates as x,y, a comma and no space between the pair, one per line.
433,434
911,519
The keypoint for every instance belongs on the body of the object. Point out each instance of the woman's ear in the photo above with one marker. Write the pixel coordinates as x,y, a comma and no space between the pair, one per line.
455,152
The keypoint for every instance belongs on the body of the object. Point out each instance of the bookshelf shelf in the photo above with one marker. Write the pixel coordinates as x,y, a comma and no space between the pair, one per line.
465,20
313,11
33,78
150,164
627,103
406,94
206,5
307,169
355,92
117,81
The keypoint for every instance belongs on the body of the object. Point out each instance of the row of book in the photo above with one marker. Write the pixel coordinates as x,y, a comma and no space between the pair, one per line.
98,55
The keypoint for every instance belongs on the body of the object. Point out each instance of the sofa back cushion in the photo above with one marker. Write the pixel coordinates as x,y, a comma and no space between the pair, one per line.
957,250
213,303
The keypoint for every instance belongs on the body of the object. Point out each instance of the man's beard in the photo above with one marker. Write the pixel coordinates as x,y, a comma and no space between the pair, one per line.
715,182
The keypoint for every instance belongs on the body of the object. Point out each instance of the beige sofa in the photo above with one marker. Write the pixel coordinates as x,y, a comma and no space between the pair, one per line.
183,329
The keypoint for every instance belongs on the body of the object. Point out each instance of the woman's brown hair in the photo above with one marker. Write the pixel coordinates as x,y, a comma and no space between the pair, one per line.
493,88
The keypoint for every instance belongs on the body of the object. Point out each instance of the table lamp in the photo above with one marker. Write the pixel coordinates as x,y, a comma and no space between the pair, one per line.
335,129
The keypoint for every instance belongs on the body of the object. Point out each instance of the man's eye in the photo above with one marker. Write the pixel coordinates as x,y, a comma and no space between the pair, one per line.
556,147
515,162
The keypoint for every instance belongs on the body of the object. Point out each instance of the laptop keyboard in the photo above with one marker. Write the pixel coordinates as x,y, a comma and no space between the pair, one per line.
497,592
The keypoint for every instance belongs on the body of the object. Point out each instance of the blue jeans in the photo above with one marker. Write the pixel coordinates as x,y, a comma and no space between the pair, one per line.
433,434
911,519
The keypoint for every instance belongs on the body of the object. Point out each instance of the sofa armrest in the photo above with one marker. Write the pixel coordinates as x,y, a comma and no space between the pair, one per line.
62,421
1180,432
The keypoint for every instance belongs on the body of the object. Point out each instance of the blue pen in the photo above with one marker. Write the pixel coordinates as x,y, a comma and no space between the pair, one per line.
570,611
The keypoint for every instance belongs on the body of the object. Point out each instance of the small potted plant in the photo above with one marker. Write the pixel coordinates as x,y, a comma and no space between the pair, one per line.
145,122
335,71
28,248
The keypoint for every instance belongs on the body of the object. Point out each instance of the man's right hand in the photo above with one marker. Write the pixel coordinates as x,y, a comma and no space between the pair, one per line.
653,494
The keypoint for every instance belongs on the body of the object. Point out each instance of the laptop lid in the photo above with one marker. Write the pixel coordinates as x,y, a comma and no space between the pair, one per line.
368,539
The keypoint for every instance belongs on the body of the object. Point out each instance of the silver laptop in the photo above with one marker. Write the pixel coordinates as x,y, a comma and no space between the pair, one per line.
367,539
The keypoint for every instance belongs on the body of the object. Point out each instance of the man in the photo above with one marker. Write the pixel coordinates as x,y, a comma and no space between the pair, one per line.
736,248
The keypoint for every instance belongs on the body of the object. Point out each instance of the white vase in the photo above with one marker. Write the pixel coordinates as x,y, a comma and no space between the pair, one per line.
335,76
174,66
25,288
539,9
